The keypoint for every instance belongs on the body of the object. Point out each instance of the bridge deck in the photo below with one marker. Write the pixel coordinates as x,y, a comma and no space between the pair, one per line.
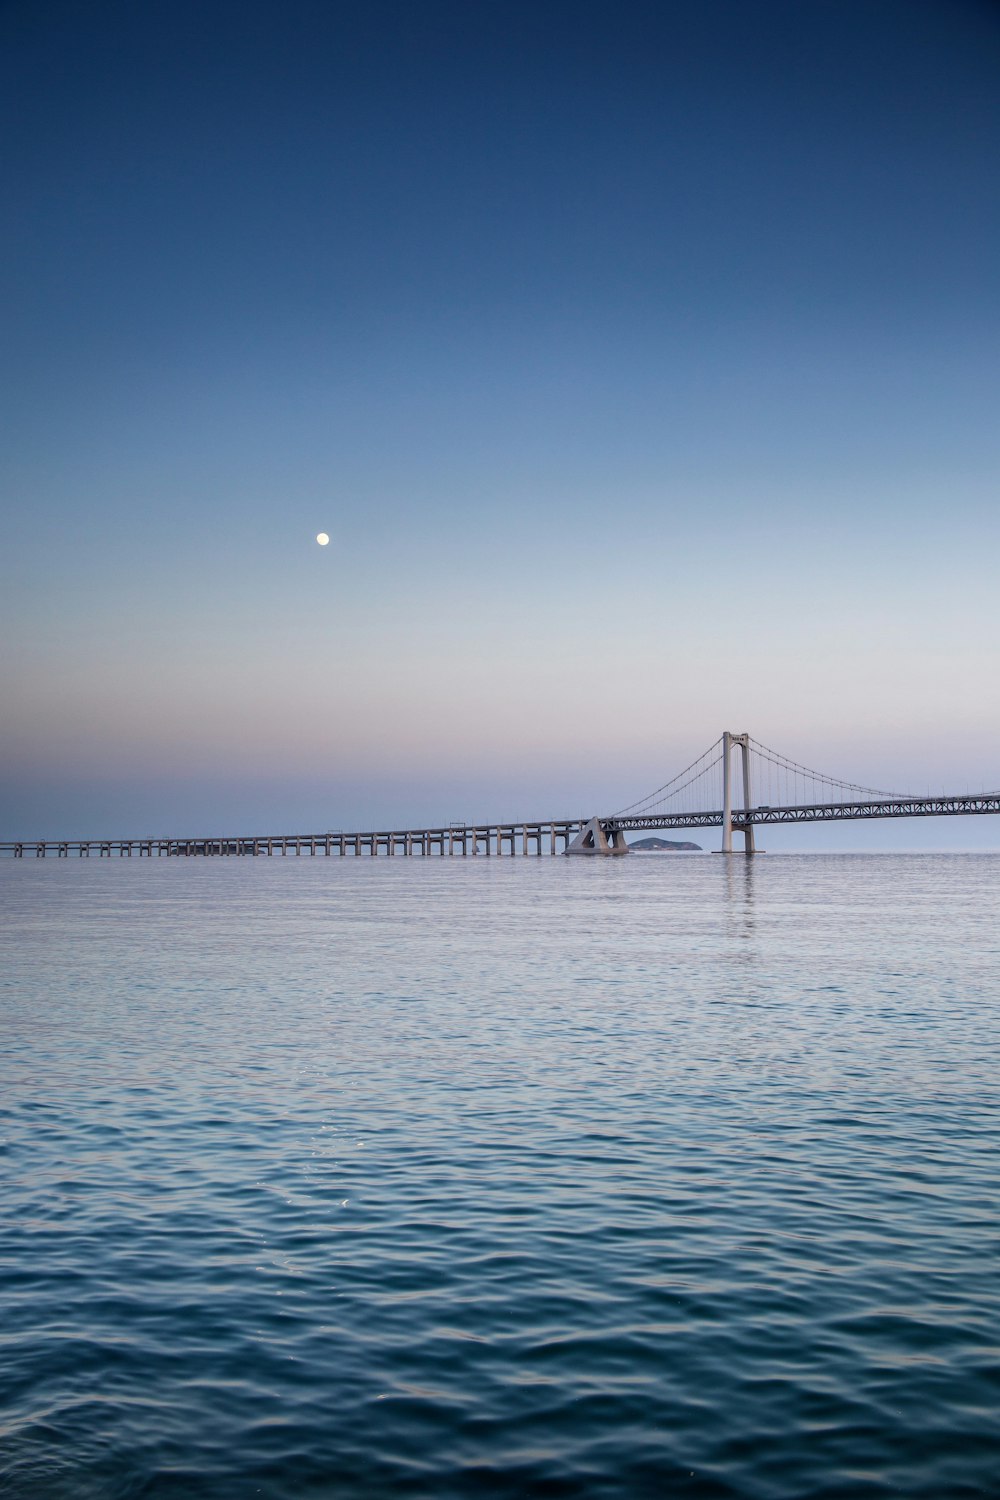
455,839
819,812
509,838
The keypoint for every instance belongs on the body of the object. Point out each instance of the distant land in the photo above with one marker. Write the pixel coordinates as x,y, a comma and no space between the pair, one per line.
662,846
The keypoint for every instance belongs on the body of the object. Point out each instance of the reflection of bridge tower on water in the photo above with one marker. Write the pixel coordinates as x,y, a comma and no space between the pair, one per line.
746,822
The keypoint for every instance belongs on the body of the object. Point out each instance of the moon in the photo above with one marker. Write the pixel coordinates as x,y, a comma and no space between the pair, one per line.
322,538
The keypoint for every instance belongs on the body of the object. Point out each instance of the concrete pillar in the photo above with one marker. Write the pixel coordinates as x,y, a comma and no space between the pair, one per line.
727,794
748,843
728,741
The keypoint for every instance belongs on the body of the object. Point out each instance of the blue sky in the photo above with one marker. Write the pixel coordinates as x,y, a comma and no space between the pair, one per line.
640,360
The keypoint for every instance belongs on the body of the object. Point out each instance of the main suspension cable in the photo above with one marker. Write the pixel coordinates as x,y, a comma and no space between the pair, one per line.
782,763
663,792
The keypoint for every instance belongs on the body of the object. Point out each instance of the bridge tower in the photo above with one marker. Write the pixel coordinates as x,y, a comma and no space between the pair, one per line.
728,741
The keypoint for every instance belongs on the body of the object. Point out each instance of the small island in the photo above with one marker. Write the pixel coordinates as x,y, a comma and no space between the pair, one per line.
662,846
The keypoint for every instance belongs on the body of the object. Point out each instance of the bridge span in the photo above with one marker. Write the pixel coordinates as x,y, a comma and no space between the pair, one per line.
708,780
818,812
551,836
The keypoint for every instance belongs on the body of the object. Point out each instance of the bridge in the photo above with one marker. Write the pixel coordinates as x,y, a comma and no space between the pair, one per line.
793,792
700,796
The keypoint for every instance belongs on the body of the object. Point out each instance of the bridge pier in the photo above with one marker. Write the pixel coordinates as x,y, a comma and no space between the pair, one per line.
593,839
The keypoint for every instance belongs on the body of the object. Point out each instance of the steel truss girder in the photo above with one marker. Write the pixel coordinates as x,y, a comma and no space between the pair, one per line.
818,812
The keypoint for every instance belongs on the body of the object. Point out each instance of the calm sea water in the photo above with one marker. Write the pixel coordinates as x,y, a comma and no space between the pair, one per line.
673,1176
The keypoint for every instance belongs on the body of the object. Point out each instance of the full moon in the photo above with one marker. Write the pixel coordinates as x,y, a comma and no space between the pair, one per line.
322,538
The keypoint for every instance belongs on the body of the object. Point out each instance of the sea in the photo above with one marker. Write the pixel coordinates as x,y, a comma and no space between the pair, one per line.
668,1176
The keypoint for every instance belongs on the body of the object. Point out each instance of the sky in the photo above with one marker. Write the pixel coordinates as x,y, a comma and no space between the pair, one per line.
640,360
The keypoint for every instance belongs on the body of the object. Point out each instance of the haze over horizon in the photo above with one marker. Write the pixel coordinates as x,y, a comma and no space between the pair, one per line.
640,362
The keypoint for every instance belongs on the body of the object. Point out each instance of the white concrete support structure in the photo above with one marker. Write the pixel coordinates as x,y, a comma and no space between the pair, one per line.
728,741
592,839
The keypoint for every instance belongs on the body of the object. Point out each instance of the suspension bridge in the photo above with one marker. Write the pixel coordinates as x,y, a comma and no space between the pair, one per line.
770,789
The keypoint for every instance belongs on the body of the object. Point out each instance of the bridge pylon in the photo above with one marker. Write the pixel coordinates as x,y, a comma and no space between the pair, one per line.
728,741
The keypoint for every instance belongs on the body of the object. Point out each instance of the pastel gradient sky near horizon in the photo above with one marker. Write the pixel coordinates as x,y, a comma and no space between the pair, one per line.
640,360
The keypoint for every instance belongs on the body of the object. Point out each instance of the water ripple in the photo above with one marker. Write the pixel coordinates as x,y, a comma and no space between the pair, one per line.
668,1177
